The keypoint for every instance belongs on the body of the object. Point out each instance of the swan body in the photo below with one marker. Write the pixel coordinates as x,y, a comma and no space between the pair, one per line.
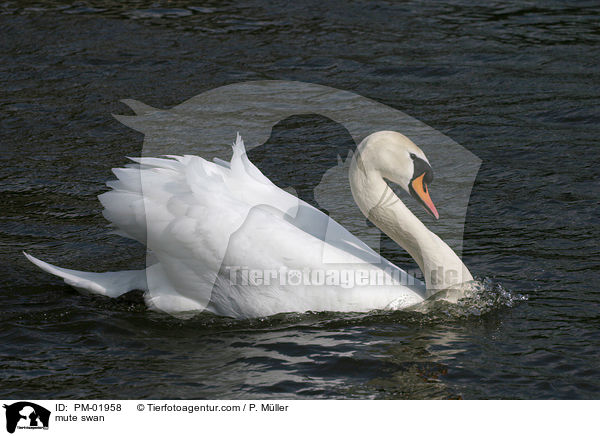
224,239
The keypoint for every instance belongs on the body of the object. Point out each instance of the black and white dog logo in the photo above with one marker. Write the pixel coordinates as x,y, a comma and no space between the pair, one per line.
26,415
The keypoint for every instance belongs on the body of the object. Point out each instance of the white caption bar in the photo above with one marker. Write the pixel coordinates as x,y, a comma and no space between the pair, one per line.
158,417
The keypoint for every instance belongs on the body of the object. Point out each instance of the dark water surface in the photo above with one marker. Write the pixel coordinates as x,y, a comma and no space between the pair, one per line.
517,85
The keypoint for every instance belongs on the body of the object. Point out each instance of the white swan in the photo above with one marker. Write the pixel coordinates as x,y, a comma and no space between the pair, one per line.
227,240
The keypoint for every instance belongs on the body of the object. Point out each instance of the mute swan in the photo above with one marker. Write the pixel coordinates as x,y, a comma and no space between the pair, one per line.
227,240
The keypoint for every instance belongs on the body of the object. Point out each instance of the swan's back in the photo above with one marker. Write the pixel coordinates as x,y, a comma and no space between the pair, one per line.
205,222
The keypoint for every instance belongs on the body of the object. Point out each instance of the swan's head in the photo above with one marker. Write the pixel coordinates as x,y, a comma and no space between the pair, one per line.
400,161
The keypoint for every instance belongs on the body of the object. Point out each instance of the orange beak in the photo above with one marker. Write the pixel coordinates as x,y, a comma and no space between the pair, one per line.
419,187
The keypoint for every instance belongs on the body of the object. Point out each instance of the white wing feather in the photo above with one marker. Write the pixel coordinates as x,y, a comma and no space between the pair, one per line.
198,218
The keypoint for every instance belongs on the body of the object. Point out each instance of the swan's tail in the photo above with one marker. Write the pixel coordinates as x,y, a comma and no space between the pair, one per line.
111,284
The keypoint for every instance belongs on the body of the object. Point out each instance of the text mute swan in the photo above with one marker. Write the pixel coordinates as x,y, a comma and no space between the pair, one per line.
227,240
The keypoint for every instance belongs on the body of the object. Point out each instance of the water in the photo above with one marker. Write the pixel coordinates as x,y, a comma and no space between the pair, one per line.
517,85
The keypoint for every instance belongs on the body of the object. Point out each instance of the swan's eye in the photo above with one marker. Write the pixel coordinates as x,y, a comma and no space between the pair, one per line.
413,156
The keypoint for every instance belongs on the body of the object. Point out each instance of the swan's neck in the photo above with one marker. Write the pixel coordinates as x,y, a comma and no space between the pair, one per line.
441,267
